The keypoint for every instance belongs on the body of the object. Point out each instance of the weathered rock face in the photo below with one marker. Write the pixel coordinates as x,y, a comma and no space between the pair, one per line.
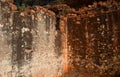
28,44
21,44
92,45
46,61
38,43
5,37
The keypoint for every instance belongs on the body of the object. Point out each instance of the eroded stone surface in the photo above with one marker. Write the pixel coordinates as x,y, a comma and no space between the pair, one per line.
38,43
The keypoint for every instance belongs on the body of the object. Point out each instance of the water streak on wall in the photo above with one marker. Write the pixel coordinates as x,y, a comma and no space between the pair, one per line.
46,62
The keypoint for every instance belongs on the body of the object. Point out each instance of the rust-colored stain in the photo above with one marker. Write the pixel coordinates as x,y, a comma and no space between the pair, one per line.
93,44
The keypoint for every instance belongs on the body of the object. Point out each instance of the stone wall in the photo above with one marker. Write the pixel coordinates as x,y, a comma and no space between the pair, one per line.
39,43
28,43
92,45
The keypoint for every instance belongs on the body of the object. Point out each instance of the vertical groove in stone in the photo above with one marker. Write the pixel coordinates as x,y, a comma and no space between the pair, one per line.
58,38
64,50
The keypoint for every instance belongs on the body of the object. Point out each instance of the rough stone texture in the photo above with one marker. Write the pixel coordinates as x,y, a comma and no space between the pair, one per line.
93,45
28,43
46,61
21,44
5,37
38,43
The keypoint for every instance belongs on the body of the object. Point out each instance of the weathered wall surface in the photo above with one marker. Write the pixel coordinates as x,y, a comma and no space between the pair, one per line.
28,43
5,37
38,43
21,44
46,61
93,45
